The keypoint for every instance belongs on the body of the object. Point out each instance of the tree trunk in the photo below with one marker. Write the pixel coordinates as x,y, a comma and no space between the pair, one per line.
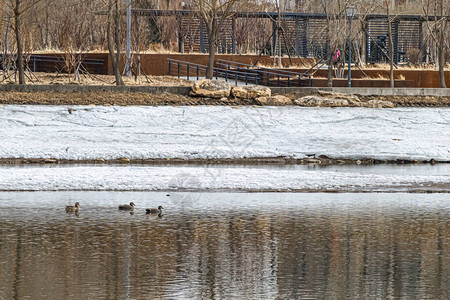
212,37
17,29
391,48
211,56
115,55
280,65
279,34
441,55
330,70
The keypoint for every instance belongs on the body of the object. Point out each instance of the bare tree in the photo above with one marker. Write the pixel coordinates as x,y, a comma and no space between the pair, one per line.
114,39
387,5
19,8
438,29
278,34
334,28
214,13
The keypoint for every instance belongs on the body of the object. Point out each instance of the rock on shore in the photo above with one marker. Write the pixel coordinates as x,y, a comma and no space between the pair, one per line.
211,88
251,91
331,99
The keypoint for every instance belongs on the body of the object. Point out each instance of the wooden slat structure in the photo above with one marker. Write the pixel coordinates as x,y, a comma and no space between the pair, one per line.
302,34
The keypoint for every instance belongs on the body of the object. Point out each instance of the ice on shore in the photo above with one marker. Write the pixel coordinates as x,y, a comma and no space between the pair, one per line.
223,132
201,178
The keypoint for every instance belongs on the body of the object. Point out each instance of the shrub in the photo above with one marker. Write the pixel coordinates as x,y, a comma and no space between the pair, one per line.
413,56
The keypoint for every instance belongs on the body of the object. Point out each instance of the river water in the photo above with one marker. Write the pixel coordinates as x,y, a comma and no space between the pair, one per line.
225,246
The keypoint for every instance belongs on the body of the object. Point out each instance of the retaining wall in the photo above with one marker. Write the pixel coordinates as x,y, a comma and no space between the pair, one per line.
438,92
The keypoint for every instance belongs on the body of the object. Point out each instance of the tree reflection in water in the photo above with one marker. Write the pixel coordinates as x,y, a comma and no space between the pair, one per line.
230,245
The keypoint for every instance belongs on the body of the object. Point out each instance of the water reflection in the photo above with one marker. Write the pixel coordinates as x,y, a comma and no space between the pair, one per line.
226,246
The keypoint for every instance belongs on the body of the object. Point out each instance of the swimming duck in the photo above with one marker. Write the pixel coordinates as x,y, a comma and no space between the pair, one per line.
126,206
74,208
154,210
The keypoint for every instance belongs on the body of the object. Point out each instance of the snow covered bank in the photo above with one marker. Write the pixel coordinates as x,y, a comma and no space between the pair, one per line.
147,178
223,132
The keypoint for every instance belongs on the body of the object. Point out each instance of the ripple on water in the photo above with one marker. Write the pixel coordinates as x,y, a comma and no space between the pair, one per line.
227,245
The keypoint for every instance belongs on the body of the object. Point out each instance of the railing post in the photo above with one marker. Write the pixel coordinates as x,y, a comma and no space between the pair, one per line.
178,72
187,72
289,80
246,77
278,84
197,72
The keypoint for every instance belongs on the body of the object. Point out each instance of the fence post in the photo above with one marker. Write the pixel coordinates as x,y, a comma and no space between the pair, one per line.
197,72
169,67
187,72
178,70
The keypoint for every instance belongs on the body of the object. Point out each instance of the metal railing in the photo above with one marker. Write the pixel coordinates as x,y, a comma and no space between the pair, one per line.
193,70
36,62
282,77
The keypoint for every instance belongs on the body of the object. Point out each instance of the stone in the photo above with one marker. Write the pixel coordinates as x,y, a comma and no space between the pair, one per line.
123,160
312,161
353,100
49,161
277,100
211,89
377,104
320,101
250,91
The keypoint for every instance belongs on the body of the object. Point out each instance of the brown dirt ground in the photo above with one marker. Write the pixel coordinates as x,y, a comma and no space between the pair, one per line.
116,98
406,101
111,98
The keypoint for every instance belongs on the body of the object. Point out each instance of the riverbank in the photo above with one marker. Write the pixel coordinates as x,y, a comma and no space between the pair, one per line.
222,135
178,96
249,161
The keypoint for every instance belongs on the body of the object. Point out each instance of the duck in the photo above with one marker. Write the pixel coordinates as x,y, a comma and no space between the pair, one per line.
154,210
126,206
74,208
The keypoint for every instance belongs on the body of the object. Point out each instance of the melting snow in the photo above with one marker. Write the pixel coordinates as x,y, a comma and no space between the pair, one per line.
223,132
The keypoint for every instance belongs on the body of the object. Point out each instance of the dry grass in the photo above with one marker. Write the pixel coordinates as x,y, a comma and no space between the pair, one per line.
54,79
404,67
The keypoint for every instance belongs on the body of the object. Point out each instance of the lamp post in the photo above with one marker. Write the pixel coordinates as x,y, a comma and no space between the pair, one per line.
350,13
